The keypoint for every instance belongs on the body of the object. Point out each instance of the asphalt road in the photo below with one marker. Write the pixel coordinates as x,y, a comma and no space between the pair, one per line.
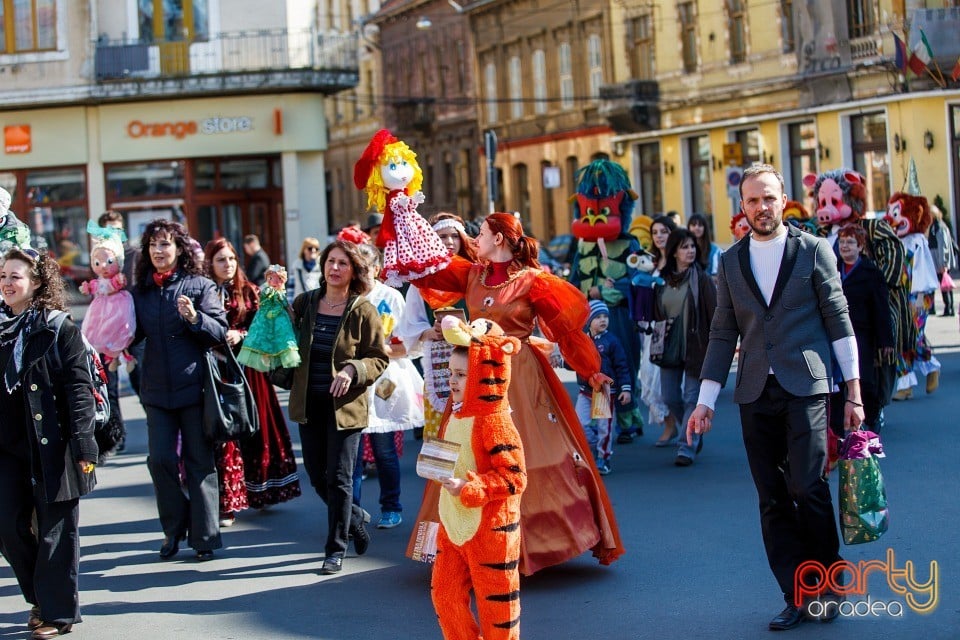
694,566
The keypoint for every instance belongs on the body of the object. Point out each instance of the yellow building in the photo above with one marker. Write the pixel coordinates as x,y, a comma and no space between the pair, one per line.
710,87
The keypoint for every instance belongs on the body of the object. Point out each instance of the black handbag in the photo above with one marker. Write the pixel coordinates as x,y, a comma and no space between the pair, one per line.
282,378
665,344
229,410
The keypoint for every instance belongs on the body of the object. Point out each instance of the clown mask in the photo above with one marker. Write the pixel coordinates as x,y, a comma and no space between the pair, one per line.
901,224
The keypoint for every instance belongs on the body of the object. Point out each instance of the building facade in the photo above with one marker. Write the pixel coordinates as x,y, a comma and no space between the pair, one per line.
808,86
540,67
210,112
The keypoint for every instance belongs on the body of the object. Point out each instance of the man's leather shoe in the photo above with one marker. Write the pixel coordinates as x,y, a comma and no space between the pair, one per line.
50,630
830,607
331,565
789,618
170,547
203,556
34,620
361,539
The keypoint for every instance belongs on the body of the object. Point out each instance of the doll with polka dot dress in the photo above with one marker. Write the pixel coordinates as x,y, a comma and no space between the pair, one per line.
389,173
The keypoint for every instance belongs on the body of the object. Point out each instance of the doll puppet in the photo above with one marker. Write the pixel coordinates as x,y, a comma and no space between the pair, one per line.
389,173
910,218
739,226
111,322
271,342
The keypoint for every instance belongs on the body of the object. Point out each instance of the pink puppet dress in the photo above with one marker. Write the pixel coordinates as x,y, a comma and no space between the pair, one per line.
389,173
110,322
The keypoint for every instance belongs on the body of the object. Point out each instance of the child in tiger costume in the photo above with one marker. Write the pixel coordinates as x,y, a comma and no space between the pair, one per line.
478,542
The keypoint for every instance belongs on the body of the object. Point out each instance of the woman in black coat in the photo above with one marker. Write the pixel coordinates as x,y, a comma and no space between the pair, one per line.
867,298
47,446
180,315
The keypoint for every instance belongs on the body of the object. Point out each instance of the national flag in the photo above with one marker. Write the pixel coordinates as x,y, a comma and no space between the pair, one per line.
955,74
901,56
921,56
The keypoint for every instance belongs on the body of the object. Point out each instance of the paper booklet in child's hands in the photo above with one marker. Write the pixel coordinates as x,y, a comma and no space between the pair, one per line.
437,459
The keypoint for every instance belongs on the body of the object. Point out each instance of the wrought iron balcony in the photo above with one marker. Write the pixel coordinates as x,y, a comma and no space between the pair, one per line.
243,61
413,115
631,106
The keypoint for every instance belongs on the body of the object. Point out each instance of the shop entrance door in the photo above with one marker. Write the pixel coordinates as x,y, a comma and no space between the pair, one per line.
235,219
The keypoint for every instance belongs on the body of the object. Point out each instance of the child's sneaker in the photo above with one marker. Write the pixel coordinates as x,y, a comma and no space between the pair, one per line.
603,467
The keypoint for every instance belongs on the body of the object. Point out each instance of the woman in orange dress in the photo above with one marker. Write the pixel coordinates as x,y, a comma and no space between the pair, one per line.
565,509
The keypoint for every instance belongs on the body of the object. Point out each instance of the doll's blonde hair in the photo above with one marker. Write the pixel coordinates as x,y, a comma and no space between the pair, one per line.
376,191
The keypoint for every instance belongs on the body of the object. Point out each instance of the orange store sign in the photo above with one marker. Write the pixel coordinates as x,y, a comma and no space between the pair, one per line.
182,129
16,139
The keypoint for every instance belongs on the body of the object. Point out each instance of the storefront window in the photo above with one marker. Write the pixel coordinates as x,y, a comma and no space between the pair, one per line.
651,194
205,175
698,159
803,160
870,158
57,215
244,174
8,181
146,179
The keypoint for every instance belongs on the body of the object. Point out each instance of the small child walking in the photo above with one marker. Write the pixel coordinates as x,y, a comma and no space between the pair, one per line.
613,363
478,542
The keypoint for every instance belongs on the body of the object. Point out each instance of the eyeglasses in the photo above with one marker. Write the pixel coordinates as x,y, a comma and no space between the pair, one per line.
313,249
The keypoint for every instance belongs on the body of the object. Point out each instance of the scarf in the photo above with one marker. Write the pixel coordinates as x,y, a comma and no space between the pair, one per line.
15,329
160,279
309,265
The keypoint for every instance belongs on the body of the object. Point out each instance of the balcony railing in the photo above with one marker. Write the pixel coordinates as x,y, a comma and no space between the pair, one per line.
631,106
270,51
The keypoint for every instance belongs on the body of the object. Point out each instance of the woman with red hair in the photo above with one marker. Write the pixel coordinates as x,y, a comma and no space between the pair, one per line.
259,471
565,508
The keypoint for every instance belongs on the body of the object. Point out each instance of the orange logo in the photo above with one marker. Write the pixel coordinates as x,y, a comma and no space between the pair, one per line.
16,139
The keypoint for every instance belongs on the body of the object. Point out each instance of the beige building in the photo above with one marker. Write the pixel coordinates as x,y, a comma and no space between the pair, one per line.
709,87
540,68
210,112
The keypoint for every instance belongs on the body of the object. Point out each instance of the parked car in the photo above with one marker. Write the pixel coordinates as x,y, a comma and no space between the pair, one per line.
561,249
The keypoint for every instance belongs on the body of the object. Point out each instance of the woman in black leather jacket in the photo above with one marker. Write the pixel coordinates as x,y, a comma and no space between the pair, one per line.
180,315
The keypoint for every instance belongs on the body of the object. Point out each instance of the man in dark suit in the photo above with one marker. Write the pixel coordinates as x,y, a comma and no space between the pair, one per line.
779,292
257,260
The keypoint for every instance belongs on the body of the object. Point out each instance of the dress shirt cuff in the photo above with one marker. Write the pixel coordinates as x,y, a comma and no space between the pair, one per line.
709,390
845,350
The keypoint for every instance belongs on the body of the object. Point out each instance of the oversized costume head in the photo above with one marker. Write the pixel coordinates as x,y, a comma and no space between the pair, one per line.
839,195
387,164
796,215
908,214
604,202
488,369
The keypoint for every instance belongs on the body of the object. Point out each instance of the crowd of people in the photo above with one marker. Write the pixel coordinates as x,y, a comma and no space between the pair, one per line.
375,362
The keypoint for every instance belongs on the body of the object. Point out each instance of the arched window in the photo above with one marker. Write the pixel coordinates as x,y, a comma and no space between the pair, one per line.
539,81
595,60
566,77
516,88
490,87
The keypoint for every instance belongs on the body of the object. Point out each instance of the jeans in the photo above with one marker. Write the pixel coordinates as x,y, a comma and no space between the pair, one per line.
388,471
680,393
330,456
597,430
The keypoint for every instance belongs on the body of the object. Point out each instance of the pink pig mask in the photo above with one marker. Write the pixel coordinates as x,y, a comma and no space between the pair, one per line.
831,207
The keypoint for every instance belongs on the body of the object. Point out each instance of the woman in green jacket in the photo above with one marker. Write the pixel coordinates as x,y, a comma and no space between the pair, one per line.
341,354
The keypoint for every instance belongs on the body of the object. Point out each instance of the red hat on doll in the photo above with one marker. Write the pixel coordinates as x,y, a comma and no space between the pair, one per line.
366,163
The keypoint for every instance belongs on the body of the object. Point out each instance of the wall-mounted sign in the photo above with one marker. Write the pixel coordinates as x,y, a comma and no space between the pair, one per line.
182,129
732,154
551,177
16,139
